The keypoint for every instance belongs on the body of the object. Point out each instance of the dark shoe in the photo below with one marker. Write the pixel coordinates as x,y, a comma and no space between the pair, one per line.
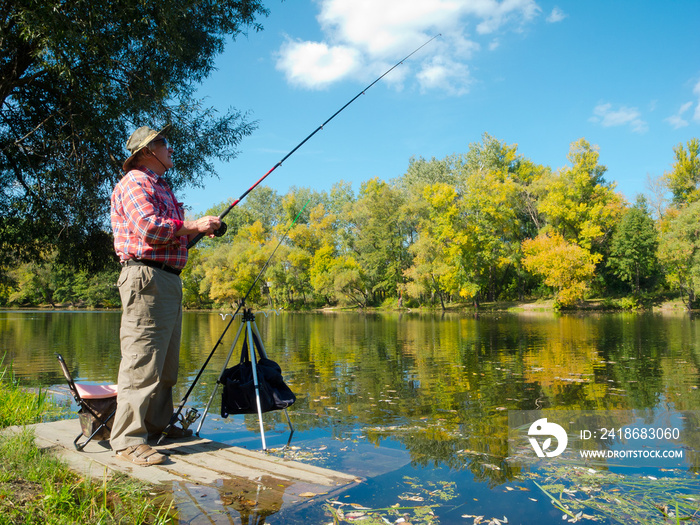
174,433
179,432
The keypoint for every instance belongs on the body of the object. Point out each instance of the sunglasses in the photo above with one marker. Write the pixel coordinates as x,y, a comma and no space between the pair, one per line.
163,140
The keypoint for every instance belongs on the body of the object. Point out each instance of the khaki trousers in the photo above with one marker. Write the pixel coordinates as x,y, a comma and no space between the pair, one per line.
150,348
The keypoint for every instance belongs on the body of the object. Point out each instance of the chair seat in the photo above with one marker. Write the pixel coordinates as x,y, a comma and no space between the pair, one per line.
96,391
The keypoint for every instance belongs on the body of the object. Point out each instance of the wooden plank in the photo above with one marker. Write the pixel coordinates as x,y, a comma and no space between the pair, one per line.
195,464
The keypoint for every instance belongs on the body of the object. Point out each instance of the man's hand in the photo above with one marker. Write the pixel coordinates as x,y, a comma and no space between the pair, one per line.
207,225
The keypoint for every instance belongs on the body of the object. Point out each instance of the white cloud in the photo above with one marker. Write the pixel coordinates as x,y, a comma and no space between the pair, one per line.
677,121
315,64
366,37
606,116
441,73
557,15
680,120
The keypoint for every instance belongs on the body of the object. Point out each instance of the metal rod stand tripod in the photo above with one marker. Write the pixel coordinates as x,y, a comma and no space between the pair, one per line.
248,322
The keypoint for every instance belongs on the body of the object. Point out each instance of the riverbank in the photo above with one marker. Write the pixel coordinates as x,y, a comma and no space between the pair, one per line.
663,302
37,488
649,303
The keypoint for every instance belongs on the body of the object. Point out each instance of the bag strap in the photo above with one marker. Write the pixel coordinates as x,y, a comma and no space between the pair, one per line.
258,347
244,351
258,352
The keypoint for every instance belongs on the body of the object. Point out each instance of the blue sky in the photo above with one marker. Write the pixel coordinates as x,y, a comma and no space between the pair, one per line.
623,74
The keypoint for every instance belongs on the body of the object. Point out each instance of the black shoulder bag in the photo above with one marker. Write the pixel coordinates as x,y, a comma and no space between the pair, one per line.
238,395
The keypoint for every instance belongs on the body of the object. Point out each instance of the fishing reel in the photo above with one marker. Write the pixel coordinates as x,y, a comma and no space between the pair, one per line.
190,417
221,230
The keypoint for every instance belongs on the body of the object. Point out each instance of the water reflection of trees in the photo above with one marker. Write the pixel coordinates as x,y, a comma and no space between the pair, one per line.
437,384
441,386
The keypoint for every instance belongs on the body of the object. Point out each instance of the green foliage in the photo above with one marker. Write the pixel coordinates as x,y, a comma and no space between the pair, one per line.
679,250
38,488
17,406
684,179
378,232
579,204
50,282
437,253
76,78
487,225
634,245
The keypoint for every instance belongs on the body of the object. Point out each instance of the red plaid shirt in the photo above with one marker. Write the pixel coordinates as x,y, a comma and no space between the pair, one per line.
145,216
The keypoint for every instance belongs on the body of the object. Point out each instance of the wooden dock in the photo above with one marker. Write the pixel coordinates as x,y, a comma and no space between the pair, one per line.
207,479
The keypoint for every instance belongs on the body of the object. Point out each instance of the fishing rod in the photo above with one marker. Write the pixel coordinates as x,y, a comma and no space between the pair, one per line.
177,413
223,214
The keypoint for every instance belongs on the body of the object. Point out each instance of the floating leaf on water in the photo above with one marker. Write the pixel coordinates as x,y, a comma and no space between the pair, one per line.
412,498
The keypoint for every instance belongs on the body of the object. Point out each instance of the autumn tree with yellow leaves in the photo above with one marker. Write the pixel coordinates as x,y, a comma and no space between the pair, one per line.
563,265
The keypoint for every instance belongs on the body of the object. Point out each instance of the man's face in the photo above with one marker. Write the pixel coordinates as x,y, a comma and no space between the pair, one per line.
162,151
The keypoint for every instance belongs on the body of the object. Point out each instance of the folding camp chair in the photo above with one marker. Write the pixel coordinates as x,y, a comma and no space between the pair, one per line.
97,403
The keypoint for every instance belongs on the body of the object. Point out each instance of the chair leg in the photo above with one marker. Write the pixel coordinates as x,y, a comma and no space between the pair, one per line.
80,446
291,428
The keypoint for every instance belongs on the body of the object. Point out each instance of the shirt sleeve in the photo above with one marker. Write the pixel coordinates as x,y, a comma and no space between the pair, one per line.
141,209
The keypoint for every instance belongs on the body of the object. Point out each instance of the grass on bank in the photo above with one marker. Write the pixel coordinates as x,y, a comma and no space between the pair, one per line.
36,487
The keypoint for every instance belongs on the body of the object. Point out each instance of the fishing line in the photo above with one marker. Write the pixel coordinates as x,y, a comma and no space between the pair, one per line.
223,214
176,414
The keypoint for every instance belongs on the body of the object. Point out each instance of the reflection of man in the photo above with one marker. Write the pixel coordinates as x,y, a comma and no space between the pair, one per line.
150,238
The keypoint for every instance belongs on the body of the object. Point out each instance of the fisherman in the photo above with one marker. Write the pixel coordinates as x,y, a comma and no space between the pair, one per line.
150,238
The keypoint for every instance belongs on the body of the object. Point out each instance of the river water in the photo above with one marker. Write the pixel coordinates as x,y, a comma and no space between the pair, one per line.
422,406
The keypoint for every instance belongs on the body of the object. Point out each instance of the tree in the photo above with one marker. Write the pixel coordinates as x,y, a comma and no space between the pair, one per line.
497,211
76,78
684,179
439,252
679,250
579,203
634,244
565,266
378,237
229,270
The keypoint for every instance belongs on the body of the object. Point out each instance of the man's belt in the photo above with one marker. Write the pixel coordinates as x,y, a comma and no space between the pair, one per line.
152,264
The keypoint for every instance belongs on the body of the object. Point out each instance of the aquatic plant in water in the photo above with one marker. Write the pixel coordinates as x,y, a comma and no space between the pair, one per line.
583,493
